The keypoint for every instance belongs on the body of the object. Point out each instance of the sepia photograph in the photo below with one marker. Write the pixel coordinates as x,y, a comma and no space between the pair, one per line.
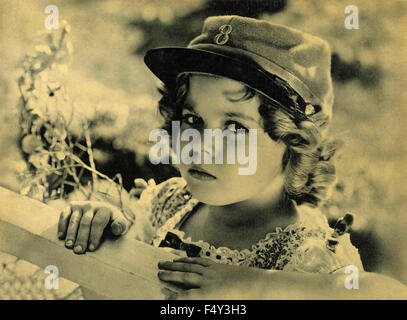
203,150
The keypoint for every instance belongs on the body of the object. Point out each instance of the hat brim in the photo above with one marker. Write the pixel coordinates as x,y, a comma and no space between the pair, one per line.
167,63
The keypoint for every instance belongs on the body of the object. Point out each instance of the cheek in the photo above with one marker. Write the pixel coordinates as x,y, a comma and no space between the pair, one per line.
269,156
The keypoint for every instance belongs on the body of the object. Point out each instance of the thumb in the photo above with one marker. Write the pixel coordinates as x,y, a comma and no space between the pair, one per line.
119,224
139,186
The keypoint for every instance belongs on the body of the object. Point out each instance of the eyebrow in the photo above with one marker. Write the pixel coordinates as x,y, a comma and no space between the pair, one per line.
191,107
239,115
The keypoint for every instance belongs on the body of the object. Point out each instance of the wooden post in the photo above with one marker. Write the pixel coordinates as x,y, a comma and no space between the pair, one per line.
123,268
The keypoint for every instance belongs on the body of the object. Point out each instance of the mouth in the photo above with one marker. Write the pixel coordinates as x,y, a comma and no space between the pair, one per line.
200,174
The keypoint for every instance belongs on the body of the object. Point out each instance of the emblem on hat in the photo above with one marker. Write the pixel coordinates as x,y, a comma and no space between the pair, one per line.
223,36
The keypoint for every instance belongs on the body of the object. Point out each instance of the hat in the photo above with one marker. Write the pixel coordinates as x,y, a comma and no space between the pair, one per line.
255,52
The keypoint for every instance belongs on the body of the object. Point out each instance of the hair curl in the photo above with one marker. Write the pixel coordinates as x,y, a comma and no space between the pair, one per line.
307,161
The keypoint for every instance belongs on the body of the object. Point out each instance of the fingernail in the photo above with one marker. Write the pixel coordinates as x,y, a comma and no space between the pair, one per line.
91,247
69,243
78,249
118,228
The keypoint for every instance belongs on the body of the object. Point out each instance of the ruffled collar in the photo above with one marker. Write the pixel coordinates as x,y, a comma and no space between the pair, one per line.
307,218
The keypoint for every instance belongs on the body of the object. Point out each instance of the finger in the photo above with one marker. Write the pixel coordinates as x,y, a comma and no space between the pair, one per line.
73,227
189,280
63,222
181,266
81,242
195,260
119,224
140,183
136,192
100,220
139,186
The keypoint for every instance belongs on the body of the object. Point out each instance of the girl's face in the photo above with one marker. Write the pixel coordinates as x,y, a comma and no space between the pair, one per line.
216,102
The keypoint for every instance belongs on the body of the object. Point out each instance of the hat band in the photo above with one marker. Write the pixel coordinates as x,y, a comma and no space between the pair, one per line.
271,67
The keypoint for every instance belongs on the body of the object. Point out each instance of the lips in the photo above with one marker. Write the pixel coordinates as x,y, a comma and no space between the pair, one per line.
201,174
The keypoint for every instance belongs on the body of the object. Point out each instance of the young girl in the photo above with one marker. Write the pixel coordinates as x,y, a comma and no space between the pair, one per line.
258,236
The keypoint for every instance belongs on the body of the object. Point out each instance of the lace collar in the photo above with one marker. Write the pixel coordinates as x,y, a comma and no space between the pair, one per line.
308,218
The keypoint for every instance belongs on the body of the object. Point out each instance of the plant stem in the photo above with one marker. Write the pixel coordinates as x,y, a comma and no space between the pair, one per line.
91,159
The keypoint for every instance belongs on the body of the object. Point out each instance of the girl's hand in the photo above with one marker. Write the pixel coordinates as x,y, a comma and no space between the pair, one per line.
206,279
83,222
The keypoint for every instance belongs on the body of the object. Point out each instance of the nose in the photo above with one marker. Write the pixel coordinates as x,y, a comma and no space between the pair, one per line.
213,146
207,152
203,153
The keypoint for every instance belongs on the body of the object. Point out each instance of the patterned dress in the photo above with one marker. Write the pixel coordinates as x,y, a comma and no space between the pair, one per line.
301,246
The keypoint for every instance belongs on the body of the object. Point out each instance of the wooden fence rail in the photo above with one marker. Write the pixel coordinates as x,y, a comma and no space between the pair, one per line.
123,268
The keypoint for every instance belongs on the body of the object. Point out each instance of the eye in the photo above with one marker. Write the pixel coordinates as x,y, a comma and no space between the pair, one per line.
192,120
234,126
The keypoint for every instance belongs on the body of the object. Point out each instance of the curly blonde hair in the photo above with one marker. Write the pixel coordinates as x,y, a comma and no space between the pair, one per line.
307,161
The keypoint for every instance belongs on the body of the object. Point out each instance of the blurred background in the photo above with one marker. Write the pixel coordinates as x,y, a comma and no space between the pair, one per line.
108,82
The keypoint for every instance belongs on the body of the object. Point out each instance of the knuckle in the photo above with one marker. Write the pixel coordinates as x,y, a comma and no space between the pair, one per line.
104,214
104,210
83,224
74,221
78,203
83,236
185,267
97,223
185,277
76,213
96,232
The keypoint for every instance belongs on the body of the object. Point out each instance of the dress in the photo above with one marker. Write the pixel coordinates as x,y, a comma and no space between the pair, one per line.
301,246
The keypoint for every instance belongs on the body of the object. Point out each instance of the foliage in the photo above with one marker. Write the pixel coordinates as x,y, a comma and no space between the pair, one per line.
58,151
